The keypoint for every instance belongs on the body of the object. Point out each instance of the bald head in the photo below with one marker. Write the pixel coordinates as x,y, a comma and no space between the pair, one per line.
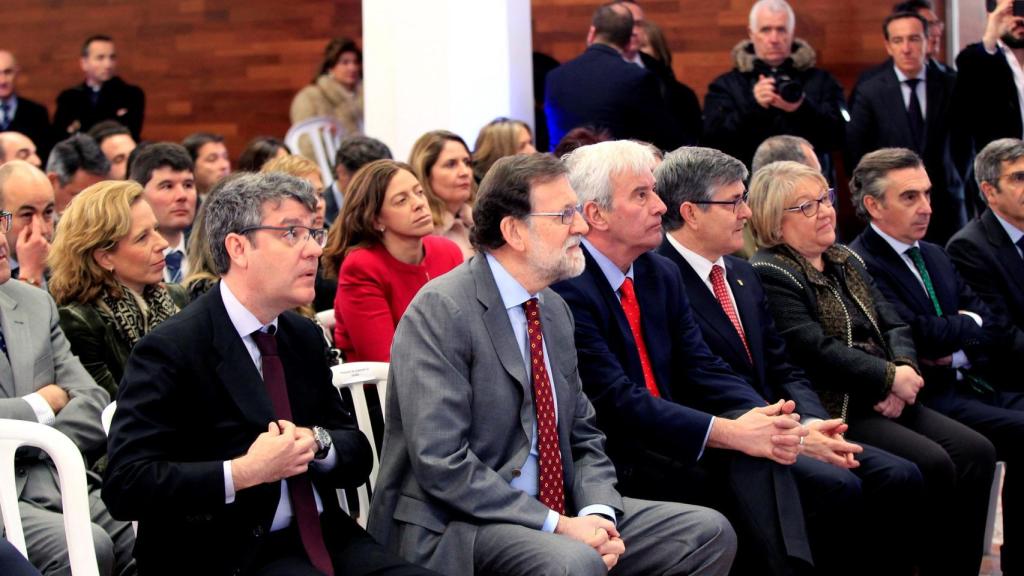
17,146
26,192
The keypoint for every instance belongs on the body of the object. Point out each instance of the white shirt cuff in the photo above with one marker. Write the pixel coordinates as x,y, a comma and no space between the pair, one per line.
973,316
44,414
602,509
328,462
551,522
960,360
229,483
707,435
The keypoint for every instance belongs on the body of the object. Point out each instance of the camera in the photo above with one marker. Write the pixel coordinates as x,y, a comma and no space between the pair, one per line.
788,88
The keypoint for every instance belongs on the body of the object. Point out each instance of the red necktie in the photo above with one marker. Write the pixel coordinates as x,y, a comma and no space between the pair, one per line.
300,489
549,482
722,294
632,310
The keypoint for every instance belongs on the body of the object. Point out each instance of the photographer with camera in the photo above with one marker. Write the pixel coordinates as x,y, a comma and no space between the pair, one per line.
774,89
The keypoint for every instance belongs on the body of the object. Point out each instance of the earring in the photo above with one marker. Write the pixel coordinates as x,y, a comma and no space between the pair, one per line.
381,229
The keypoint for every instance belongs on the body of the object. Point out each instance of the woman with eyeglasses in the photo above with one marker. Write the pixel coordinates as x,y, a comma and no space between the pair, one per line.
382,250
860,356
107,268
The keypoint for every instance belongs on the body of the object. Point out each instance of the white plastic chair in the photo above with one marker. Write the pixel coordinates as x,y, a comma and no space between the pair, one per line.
74,494
322,135
354,376
326,320
107,416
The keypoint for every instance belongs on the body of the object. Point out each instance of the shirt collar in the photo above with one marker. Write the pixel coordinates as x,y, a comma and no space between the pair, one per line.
701,265
512,292
903,77
180,246
245,322
11,101
899,247
1011,230
608,268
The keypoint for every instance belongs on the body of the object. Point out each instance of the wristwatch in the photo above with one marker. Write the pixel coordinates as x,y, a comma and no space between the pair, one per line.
323,442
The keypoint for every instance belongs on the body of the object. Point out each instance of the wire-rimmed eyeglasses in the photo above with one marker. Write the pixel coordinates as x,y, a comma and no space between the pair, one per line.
735,204
294,235
810,207
566,216
5,221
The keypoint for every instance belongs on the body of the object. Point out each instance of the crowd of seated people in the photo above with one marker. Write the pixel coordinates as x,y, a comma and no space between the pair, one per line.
587,374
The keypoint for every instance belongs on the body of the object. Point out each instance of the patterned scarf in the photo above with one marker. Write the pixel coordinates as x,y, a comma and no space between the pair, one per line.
134,315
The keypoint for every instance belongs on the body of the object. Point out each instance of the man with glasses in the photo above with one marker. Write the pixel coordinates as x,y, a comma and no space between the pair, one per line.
960,344
681,424
230,441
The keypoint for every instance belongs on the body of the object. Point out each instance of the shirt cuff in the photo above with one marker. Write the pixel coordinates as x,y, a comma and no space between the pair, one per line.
229,483
960,360
328,462
551,522
707,435
973,316
44,414
601,509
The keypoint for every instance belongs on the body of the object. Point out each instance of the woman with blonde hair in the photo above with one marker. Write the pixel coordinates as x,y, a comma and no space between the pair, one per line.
443,165
107,267
382,251
499,138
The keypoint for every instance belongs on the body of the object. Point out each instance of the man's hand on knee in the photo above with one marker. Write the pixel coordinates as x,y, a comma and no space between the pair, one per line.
595,531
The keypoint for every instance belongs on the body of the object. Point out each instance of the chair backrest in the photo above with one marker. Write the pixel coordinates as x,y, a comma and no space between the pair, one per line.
326,320
322,135
354,377
74,494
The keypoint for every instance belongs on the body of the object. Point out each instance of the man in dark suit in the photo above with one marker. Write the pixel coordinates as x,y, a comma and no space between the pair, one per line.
19,114
908,106
229,440
954,331
665,400
354,152
602,90
492,462
102,96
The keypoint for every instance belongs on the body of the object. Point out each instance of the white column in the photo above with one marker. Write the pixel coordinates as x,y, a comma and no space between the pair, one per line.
444,64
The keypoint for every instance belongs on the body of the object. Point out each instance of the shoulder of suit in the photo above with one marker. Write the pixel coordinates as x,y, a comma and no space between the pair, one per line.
738,264
27,294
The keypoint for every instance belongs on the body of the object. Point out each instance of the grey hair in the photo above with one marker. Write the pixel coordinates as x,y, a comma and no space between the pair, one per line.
870,177
240,205
79,152
591,168
773,6
779,148
693,174
988,162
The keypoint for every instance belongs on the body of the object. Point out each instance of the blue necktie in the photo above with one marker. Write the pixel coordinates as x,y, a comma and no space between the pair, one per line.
5,115
173,262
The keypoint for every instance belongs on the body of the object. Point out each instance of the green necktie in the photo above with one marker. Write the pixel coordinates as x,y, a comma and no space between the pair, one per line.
915,255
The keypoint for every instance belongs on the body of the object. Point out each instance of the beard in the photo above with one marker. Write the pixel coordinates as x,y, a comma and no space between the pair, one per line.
556,266
1012,41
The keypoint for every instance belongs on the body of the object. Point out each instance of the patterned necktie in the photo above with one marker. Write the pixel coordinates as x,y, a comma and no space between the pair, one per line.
173,262
550,483
915,256
300,489
915,114
632,309
722,294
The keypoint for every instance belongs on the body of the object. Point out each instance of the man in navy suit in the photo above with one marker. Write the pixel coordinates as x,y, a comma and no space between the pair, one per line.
908,105
955,333
664,400
600,89
19,114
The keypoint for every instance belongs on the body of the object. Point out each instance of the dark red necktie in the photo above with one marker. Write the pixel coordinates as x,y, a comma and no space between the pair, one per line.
300,489
722,294
551,492
632,309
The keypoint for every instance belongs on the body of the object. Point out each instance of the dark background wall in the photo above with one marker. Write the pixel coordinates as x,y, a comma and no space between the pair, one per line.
232,66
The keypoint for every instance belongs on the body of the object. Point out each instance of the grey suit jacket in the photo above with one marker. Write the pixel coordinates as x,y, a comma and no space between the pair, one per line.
40,355
459,419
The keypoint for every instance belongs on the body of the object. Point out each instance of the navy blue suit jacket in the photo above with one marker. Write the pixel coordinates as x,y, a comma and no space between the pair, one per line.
693,382
771,374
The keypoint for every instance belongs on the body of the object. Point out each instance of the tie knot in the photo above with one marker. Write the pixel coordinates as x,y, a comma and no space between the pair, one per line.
716,273
173,259
914,253
627,288
266,342
912,82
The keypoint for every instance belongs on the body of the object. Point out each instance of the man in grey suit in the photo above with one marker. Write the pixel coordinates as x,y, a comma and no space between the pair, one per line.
41,381
489,465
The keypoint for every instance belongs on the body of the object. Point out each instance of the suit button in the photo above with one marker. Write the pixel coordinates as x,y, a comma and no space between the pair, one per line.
21,471
516,472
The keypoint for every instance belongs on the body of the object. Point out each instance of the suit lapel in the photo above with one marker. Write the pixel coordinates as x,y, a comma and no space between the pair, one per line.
19,353
935,92
898,108
1005,249
236,370
612,304
497,323
747,309
897,267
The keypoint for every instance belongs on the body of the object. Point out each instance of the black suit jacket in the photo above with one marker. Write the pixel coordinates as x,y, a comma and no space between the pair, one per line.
878,119
985,98
771,374
118,101
934,336
192,398
601,89
693,382
33,120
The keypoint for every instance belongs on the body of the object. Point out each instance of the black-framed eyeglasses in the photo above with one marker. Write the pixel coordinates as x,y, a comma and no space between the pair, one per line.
294,235
810,207
566,215
1016,178
735,204
5,221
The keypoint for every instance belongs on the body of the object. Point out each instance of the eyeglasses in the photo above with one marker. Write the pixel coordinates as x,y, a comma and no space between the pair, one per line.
810,207
294,235
5,221
734,203
1016,178
566,215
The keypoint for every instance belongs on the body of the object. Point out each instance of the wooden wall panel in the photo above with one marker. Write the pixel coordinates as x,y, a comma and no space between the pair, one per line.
232,66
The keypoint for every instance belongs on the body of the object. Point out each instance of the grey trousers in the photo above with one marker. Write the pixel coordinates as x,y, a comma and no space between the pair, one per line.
660,538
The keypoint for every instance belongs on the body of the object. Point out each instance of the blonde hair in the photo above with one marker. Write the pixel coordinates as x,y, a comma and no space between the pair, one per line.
294,165
771,188
499,138
425,153
98,218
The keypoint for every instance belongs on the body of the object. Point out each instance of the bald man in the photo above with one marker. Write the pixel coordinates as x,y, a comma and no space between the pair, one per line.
26,192
17,146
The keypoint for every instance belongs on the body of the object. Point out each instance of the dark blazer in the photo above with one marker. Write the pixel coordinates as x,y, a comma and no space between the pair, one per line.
993,268
694,383
878,119
601,89
33,120
771,374
191,398
934,336
118,101
985,99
